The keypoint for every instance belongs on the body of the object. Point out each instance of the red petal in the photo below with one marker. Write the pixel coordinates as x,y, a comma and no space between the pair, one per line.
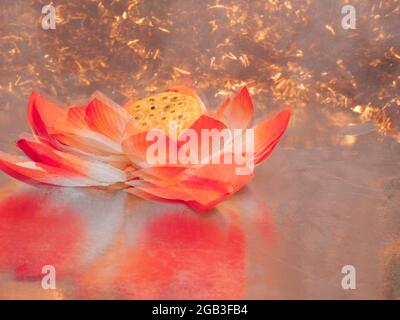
206,122
71,131
45,157
136,146
157,194
74,131
178,191
76,117
221,109
88,142
268,133
199,207
160,175
42,115
237,113
203,201
62,129
106,120
202,187
217,175
28,172
42,154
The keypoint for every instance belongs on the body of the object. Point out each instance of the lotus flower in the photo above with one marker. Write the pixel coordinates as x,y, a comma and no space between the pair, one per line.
103,145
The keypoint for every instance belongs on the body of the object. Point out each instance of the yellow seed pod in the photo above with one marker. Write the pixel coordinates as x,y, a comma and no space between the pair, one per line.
163,109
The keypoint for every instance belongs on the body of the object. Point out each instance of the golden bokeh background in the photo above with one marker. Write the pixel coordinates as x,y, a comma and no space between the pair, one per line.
287,52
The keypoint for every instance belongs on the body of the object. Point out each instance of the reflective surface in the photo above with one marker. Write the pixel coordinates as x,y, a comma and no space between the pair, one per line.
328,197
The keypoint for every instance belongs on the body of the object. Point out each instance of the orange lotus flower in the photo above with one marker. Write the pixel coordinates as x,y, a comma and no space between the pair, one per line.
103,145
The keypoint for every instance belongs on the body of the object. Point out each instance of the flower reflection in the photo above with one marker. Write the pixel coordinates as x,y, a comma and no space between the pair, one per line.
111,245
168,252
35,231
62,228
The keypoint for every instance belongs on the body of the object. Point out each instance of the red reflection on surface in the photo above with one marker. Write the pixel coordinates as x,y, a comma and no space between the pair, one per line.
193,256
36,230
177,255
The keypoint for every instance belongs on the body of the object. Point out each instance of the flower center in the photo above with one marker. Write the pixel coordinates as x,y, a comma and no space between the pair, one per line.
161,110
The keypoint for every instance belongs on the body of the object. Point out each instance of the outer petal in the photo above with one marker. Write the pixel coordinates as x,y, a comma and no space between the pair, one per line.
42,115
202,187
29,172
94,129
44,156
221,110
180,191
69,130
238,112
159,175
200,207
268,133
87,142
216,175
